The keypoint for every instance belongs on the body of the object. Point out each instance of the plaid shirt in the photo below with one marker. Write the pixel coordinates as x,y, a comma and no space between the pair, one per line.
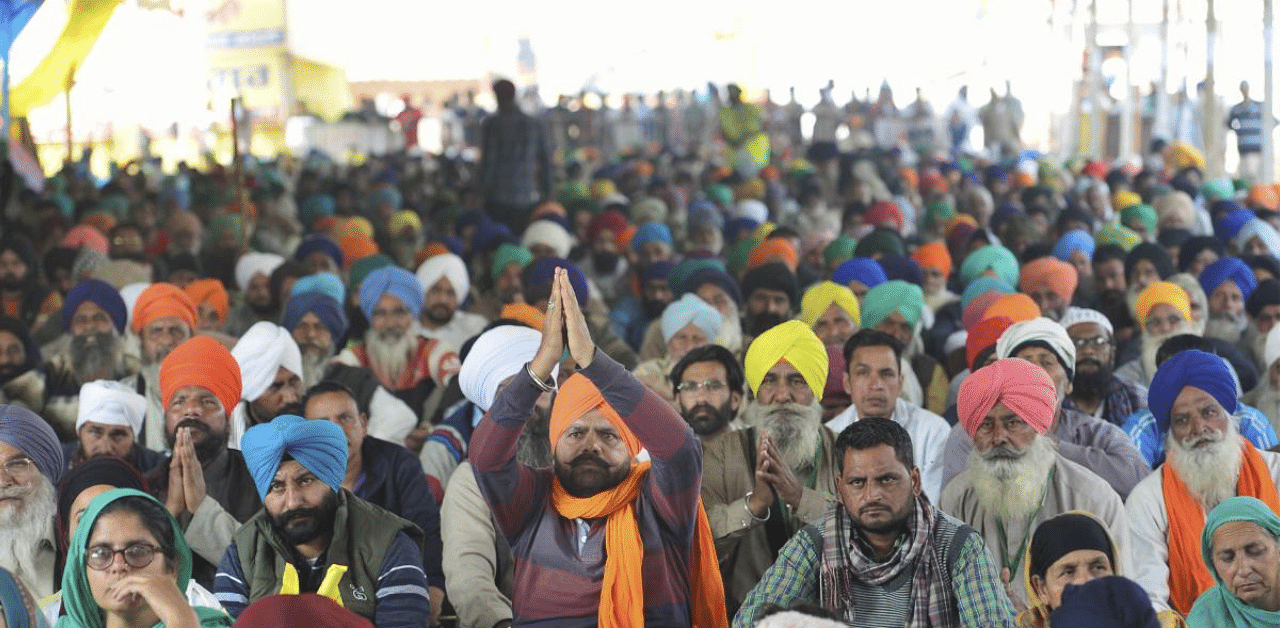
1123,399
794,576
1141,427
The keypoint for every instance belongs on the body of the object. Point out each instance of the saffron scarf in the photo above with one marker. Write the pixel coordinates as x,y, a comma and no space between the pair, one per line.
622,592
1188,575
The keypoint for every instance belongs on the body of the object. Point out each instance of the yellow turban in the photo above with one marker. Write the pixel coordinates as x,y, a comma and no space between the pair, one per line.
794,342
1162,292
819,297
1125,199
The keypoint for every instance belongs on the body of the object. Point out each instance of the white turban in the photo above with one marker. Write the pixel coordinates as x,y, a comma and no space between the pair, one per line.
550,234
496,355
111,403
260,353
751,208
1039,330
1076,315
445,265
252,263
130,294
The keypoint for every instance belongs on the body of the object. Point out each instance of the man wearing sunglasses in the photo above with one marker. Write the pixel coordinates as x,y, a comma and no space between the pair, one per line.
30,465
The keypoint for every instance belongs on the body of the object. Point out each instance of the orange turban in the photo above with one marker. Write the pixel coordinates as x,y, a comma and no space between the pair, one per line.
1052,272
547,208
355,225
1023,179
163,300
909,177
524,313
201,361
1162,292
1018,307
751,188
356,247
1018,384
210,291
1262,196
934,255
773,250
578,396
429,251
956,221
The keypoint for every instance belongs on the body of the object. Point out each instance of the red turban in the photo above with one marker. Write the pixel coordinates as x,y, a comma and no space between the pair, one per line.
201,361
978,307
163,300
983,336
1021,386
1050,272
612,220
883,212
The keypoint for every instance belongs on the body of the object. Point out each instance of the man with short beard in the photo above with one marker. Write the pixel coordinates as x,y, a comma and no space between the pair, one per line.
271,371
763,483
253,276
22,381
405,363
1089,442
109,421
1095,389
314,536
875,556
1192,398
1228,283
504,274
30,464
771,293
446,286
163,318
22,293
606,242
1163,310
205,485
1016,478
94,317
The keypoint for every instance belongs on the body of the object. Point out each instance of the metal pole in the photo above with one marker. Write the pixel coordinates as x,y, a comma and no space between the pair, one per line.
1098,117
1127,111
1268,170
1210,125
67,93
237,175
1162,98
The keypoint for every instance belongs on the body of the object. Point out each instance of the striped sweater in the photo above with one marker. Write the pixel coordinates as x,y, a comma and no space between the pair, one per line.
559,563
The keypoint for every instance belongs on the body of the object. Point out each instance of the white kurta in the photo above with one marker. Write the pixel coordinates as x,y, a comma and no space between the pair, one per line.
928,432
1149,524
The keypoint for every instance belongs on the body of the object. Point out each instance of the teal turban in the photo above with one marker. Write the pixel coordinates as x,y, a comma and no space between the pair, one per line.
1217,606
892,296
992,257
319,446
508,254
981,285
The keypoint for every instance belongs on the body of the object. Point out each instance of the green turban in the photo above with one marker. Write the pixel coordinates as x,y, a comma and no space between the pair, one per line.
1141,211
992,257
880,242
839,250
1123,237
508,254
892,296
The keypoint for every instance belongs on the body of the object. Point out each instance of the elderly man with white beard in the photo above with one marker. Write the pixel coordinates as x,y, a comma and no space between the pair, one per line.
1192,397
30,464
1228,283
1163,310
1016,478
1087,441
762,484
406,363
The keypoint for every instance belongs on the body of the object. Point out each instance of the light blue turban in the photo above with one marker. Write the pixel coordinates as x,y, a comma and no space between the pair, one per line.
327,284
395,281
690,309
319,446
1072,241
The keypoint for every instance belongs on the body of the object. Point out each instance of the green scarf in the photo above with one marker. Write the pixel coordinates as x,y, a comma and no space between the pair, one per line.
1217,607
77,598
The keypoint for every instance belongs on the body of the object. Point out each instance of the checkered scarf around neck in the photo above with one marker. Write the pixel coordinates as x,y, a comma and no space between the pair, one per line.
843,564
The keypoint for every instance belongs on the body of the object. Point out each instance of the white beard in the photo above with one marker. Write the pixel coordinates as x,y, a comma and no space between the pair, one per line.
1225,327
391,357
1010,488
1211,470
21,530
794,428
314,365
1151,345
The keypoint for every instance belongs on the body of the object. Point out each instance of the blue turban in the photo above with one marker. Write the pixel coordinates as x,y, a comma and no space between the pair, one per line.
902,268
324,283
1108,602
981,285
861,269
544,270
704,214
395,281
1202,370
650,232
319,242
1228,268
319,446
657,270
1229,224
385,195
713,276
102,294
735,227
1072,241
25,431
453,243
323,306
315,206
690,309
489,235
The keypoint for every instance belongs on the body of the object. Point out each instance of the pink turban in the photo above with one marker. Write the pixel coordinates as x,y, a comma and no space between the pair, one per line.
1020,385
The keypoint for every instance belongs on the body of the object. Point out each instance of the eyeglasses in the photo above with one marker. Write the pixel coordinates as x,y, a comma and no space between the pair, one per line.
1093,341
710,386
19,467
100,557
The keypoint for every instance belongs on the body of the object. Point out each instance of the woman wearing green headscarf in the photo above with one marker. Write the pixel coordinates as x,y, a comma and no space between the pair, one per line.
127,566
1240,548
